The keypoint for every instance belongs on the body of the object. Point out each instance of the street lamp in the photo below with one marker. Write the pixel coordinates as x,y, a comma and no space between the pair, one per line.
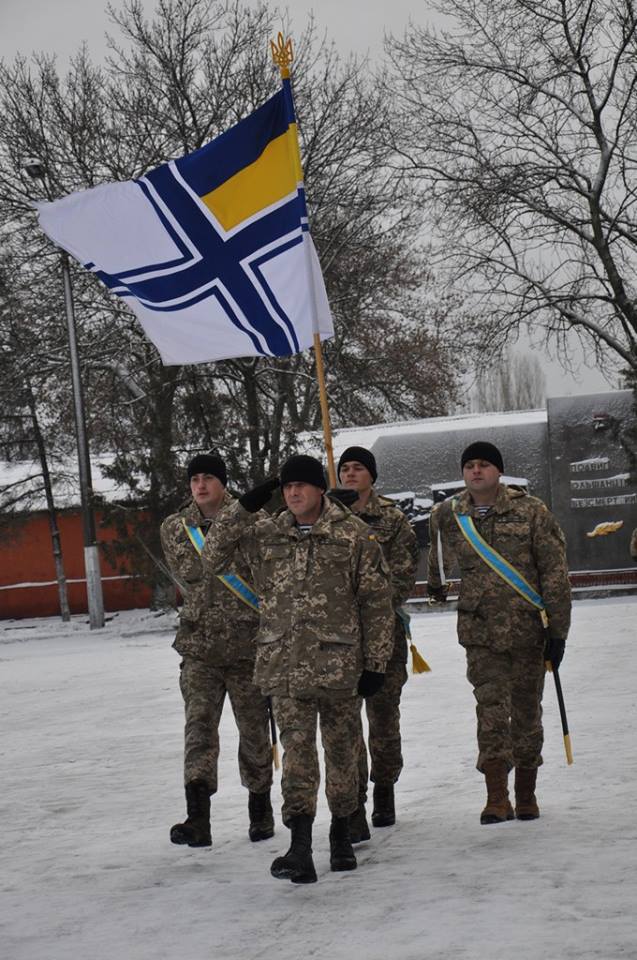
35,169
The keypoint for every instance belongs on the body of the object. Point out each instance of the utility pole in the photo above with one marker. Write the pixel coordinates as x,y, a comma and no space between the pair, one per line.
36,170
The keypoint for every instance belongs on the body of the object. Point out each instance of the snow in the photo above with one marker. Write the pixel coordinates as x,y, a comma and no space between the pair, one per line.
64,480
91,773
367,436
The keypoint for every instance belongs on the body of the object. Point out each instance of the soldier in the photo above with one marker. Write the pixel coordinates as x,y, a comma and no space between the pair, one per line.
326,633
357,471
216,640
500,628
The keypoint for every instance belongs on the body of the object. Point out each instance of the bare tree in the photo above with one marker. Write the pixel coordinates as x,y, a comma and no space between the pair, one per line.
520,122
515,381
29,373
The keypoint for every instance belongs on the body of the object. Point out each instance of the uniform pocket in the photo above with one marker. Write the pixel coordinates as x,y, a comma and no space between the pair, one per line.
275,550
514,529
330,565
276,561
339,661
269,636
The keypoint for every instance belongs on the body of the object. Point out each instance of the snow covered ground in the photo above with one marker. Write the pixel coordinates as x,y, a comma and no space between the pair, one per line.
90,768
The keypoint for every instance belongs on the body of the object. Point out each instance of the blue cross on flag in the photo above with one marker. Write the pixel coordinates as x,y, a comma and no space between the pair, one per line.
212,251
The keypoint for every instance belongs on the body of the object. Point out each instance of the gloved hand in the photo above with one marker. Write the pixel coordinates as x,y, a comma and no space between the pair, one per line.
437,594
253,500
554,650
344,495
370,683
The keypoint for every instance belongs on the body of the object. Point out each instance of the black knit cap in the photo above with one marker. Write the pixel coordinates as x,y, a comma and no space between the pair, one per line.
208,463
482,450
303,469
366,457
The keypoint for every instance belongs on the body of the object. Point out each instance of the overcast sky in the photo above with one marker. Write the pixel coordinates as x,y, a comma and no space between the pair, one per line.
59,26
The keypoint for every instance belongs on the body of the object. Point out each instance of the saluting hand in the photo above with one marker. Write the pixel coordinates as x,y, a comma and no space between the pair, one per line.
253,500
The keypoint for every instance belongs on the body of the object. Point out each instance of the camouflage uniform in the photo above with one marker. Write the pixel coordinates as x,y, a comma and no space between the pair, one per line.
216,639
500,630
325,604
633,545
400,548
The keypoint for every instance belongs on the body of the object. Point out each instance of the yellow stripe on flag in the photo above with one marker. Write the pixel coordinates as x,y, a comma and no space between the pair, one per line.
270,178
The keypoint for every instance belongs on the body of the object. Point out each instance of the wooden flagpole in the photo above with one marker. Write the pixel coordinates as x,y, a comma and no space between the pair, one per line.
283,56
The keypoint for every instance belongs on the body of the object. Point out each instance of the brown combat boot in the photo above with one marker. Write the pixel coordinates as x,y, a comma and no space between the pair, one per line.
526,807
498,808
195,830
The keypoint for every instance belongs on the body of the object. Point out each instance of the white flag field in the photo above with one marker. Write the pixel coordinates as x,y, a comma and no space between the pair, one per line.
212,251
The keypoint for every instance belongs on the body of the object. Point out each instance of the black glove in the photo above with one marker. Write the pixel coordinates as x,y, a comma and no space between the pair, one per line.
437,594
370,683
554,650
344,495
253,500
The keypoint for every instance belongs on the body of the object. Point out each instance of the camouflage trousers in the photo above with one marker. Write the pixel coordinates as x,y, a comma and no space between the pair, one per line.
204,689
339,721
383,721
508,690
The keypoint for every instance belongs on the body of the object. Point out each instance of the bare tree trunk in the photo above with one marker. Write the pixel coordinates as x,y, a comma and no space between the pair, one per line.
56,543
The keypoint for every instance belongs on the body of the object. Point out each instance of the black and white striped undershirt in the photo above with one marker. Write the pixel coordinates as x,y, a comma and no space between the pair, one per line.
304,527
482,510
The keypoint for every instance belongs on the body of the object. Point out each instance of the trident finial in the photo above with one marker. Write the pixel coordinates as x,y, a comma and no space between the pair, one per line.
282,54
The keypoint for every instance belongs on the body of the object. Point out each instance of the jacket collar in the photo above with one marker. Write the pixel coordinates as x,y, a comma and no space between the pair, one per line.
372,508
193,515
503,500
332,512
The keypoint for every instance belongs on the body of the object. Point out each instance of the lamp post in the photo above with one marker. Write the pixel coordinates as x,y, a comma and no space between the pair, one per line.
36,170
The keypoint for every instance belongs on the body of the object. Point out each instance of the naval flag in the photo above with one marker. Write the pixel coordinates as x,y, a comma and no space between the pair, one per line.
212,251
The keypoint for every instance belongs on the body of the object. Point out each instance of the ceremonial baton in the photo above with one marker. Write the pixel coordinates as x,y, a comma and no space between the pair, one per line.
560,702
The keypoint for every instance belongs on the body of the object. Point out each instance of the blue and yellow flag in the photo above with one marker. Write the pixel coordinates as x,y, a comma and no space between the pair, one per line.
211,251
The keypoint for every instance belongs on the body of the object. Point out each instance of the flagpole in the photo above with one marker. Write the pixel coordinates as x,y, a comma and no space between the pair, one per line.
282,56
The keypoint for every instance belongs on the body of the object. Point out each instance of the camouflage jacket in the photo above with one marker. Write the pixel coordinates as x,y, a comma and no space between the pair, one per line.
325,597
633,545
524,531
398,542
214,624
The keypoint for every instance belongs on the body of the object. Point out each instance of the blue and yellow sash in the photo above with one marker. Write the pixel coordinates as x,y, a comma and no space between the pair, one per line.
498,564
232,581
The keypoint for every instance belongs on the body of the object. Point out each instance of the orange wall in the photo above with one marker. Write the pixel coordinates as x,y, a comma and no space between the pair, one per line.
26,557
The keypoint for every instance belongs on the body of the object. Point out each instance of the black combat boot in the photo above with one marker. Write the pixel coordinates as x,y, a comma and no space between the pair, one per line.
341,851
383,814
358,826
261,817
297,864
195,831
